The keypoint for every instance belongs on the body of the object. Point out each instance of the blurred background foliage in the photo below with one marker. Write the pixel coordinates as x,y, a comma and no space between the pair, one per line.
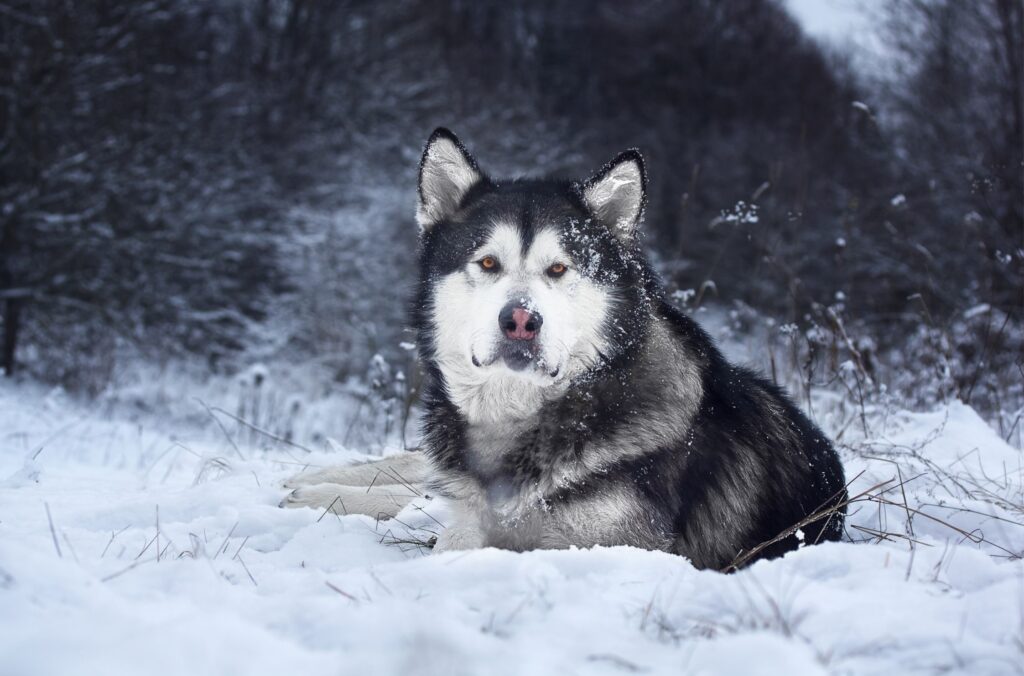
231,177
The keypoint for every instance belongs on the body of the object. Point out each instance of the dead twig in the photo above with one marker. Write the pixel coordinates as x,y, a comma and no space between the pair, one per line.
341,591
829,512
221,426
265,433
53,531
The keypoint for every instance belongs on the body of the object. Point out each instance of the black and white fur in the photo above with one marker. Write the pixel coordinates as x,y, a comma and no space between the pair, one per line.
601,414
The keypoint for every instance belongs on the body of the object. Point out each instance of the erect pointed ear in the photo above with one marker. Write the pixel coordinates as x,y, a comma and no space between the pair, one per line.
617,193
447,173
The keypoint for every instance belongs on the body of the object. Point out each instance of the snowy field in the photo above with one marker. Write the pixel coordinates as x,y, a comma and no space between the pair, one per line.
132,542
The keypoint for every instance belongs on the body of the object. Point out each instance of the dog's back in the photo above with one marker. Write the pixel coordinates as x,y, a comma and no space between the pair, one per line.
752,469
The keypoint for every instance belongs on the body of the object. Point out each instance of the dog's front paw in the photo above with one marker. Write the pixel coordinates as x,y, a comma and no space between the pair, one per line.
306,479
403,468
457,538
379,502
317,496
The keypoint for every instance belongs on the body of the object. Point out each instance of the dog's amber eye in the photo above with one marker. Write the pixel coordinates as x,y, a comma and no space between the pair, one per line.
489,264
557,270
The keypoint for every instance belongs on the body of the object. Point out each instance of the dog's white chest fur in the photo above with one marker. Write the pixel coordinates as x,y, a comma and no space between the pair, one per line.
496,399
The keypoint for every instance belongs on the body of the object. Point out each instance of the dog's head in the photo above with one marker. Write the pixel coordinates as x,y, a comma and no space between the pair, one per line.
525,283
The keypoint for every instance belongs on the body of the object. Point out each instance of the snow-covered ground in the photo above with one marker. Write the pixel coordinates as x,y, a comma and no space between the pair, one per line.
132,542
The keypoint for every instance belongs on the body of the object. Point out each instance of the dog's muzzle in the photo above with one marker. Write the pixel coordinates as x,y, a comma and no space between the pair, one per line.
519,325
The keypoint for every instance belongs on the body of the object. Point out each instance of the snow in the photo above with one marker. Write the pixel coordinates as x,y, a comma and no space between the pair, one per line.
861,106
976,310
741,212
168,555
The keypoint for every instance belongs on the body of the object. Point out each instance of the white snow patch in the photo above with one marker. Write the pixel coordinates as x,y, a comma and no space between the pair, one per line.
168,555
977,310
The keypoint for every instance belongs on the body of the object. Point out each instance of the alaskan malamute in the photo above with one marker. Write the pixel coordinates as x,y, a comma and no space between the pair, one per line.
567,403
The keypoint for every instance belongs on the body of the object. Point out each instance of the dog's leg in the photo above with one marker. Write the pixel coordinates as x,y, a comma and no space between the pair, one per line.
459,537
404,468
381,501
464,532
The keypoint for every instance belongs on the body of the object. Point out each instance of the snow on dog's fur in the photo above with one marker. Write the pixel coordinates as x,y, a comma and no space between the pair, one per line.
566,403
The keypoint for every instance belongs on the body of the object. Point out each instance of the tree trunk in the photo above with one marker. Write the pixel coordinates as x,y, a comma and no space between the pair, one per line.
12,312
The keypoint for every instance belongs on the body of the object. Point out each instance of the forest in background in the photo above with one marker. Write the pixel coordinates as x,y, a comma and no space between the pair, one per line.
230,178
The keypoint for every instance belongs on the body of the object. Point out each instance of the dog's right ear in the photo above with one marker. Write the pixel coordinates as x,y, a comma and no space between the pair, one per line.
617,194
447,173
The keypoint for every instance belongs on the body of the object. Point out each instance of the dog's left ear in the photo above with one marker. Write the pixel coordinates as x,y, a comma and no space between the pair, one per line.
447,173
617,194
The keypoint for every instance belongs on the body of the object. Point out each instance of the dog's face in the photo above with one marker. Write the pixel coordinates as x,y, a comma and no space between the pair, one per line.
524,284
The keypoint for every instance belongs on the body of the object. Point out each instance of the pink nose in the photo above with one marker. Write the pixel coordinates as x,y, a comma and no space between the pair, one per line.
518,323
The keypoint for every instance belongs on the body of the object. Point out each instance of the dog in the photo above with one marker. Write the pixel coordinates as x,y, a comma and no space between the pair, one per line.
567,403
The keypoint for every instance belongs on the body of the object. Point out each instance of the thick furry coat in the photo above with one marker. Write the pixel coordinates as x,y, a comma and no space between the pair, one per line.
643,436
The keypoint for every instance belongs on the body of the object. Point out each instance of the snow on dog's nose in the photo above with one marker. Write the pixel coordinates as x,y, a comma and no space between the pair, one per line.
518,322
